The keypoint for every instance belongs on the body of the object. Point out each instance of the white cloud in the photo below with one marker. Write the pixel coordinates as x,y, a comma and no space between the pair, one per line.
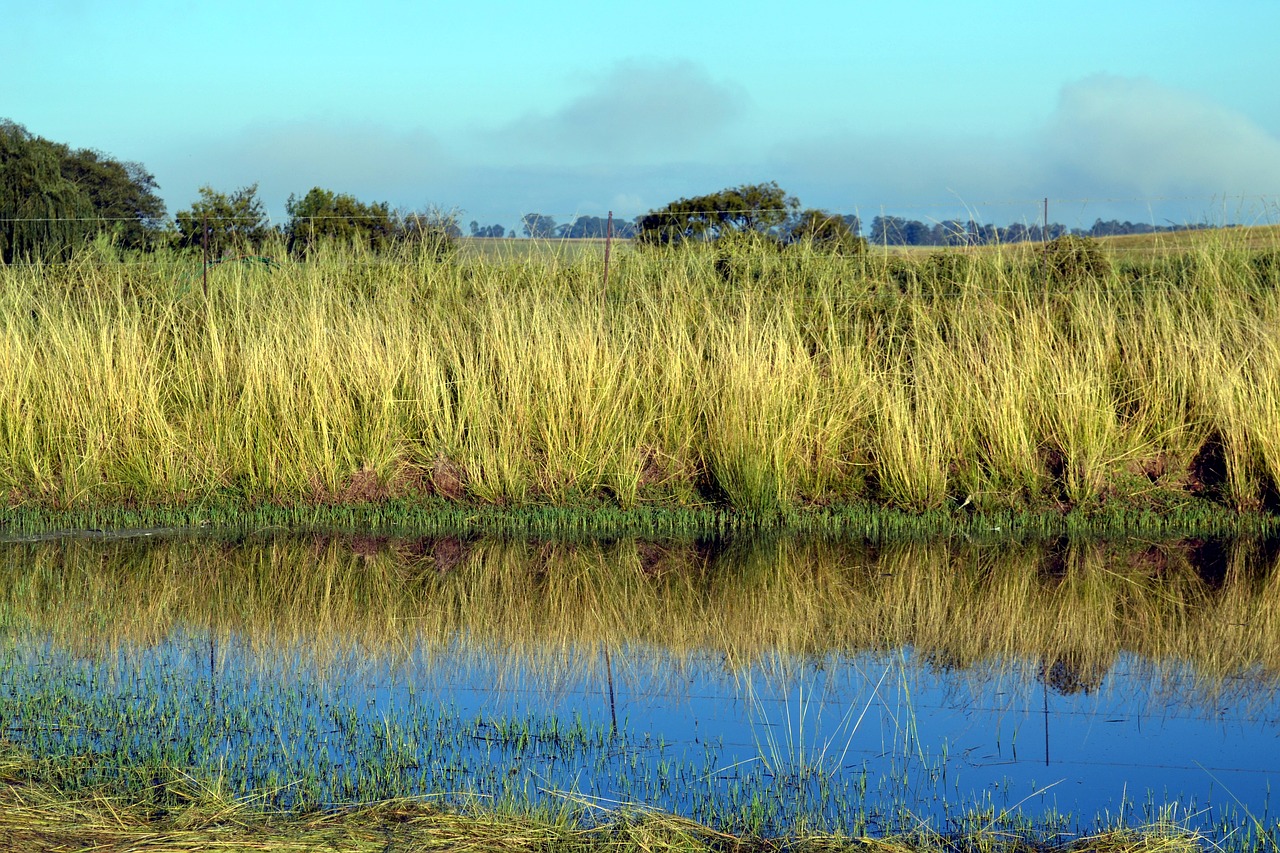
635,112
1132,136
1107,138
642,134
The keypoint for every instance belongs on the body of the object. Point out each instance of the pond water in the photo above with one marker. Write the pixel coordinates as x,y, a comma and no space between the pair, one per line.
758,686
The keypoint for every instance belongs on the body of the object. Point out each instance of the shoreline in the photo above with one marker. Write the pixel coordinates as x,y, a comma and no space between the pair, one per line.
435,516
43,806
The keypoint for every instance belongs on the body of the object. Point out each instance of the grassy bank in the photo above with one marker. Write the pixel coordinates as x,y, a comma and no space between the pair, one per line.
749,380
172,812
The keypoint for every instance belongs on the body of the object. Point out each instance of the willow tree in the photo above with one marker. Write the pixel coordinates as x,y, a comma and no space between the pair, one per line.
43,214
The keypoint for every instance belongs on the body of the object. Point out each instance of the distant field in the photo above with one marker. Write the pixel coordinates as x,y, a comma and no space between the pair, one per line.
1249,238
520,249
1245,238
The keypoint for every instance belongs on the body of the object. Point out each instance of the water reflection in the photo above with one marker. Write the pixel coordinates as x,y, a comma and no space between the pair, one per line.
755,685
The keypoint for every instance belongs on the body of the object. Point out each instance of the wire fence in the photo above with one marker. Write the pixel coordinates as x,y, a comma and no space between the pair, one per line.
903,225
1073,212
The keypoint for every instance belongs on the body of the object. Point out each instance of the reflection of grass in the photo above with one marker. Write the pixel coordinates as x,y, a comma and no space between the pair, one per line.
758,382
1076,607
524,602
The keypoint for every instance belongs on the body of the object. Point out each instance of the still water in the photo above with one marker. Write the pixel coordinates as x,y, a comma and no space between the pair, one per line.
754,686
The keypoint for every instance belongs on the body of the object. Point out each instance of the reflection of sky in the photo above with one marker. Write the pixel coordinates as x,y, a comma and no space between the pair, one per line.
1142,735
887,730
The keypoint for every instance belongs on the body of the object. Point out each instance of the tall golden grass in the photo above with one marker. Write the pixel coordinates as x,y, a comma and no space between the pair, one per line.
752,378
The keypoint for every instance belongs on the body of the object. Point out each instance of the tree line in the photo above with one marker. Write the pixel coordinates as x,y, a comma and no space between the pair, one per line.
54,199
897,231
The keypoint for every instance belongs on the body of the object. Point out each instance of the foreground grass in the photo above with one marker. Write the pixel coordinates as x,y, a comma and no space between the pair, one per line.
745,380
173,812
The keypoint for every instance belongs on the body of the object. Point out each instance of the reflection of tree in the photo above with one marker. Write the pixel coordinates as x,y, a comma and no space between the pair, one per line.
1072,673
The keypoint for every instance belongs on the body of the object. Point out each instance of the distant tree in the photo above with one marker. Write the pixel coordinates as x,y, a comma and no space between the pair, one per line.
949,232
123,195
53,198
888,231
757,208
538,225
490,231
43,214
1014,233
235,222
324,215
826,232
854,223
596,227
1114,228
984,234
584,227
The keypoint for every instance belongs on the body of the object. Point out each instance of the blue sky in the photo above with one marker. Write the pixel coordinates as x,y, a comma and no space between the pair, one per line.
1141,110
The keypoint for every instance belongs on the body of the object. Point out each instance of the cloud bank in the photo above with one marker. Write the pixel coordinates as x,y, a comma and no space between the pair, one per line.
641,134
1116,146
1126,136
635,112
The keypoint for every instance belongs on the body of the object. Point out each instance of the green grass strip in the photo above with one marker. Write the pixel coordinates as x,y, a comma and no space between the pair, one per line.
438,517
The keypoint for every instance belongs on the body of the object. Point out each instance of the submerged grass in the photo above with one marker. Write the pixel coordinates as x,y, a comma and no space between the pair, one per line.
748,381
37,812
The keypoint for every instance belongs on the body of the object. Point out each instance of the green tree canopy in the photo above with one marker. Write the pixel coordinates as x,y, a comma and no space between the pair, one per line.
123,194
758,208
43,215
324,215
235,222
53,198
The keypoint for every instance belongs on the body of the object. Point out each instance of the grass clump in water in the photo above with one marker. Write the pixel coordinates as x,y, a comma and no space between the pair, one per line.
172,811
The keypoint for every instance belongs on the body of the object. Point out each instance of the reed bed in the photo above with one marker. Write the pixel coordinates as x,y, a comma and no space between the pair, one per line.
749,380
